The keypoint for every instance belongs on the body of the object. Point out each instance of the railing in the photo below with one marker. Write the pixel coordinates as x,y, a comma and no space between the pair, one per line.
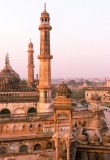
18,98
25,117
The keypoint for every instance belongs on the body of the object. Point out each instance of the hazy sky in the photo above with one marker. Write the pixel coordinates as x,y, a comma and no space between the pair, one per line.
80,36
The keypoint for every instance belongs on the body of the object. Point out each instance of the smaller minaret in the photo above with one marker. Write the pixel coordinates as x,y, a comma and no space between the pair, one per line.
30,63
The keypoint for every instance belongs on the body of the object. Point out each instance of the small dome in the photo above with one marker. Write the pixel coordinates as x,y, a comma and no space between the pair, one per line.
106,139
9,79
95,139
63,90
96,97
44,14
98,123
82,137
30,44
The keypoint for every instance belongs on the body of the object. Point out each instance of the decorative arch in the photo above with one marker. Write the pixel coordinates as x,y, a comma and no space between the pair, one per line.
37,147
49,145
61,112
23,148
19,111
5,111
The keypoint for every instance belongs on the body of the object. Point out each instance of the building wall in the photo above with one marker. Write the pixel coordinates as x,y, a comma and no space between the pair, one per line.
18,108
104,94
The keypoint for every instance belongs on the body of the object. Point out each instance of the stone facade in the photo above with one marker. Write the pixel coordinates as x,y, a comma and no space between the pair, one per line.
102,91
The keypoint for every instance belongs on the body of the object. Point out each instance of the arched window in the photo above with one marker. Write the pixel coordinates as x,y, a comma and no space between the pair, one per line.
37,147
23,128
7,128
31,127
32,111
3,150
23,148
49,145
14,128
84,123
39,125
5,111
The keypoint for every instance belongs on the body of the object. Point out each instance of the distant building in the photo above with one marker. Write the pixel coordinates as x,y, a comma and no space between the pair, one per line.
104,92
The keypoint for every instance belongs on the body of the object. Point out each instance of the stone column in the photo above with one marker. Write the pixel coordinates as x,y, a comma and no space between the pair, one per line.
68,148
56,146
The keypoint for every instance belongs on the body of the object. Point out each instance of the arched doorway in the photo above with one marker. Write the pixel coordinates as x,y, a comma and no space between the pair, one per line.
32,110
3,150
49,145
23,148
37,147
5,111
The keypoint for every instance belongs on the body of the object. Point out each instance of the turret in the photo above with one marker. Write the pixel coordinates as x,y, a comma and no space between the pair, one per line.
30,63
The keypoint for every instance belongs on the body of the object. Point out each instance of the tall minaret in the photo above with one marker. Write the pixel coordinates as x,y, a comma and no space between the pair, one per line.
45,64
30,63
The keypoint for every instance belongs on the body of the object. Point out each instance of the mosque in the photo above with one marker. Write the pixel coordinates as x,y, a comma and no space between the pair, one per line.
31,120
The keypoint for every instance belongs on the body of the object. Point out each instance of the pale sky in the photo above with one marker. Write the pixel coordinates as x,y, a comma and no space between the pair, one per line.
80,36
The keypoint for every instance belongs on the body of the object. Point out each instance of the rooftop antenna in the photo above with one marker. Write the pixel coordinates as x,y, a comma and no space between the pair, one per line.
44,6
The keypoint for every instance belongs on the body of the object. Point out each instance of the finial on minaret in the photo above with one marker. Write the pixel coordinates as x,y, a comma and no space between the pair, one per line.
6,59
30,39
44,6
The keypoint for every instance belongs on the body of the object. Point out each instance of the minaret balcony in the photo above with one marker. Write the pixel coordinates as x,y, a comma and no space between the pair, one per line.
45,56
30,66
45,26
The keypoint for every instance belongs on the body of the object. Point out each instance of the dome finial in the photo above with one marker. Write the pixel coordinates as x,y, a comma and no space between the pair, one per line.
7,59
30,39
44,6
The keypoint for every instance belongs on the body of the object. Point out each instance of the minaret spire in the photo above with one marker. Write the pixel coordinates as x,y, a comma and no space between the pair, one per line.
7,59
44,6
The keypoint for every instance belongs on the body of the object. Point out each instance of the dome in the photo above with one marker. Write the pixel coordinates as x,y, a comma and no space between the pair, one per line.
44,14
63,90
95,139
96,97
30,44
98,123
82,137
9,79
